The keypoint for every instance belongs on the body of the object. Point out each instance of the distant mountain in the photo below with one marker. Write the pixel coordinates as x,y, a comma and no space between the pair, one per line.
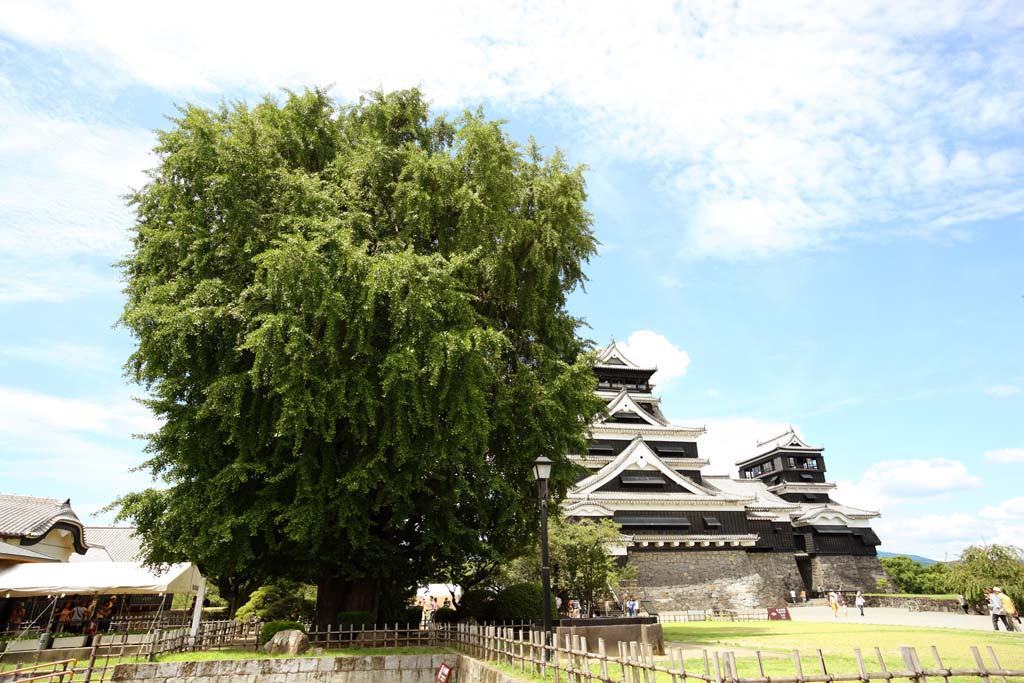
924,561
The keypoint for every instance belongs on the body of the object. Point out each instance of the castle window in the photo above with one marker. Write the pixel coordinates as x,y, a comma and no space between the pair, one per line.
712,523
642,478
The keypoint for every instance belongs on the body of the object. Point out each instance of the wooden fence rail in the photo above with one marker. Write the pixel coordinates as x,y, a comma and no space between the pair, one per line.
569,659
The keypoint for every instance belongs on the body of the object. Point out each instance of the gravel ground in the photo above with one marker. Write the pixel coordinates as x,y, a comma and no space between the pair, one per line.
896,617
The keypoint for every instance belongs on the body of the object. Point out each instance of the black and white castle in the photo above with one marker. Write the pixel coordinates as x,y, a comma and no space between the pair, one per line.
701,541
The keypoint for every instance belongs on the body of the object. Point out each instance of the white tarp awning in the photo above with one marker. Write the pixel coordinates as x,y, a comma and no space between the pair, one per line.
81,578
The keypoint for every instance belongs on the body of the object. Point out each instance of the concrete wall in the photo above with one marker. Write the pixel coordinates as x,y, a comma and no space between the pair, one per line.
720,579
371,669
647,634
850,572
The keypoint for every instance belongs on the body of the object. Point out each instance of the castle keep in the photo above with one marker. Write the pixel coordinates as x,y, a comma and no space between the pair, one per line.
702,541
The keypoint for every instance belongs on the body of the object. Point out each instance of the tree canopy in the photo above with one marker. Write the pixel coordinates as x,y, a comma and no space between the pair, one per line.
982,566
352,322
912,577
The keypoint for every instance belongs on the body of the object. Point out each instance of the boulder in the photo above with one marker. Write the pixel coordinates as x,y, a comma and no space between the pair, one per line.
291,642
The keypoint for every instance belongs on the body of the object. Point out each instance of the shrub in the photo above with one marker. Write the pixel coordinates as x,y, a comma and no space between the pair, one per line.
354,618
278,601
272,627
445,615
520,602
477,603
413,615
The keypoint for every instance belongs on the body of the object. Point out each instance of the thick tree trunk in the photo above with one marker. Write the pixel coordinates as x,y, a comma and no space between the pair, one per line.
328,600
335,595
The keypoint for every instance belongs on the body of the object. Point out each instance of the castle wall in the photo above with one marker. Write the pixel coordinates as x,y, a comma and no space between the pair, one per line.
779,572
851,572
702,579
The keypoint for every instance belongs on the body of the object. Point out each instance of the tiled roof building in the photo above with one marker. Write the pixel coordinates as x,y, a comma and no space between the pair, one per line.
36,529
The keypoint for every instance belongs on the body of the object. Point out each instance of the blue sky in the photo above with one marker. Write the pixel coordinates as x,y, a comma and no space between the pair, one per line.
810,215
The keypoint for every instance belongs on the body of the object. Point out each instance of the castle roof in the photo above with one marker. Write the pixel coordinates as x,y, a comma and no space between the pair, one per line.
788,441
612,356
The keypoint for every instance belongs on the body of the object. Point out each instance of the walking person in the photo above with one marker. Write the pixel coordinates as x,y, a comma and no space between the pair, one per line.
833,603
1009,609
792,595
961,601
996,609
859,602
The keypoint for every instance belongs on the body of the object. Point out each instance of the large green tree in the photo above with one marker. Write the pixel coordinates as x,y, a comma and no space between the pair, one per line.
352,321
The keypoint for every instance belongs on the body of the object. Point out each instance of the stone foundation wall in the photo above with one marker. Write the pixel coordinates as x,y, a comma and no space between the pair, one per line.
720,579
372,669
850,572
740,580
780,574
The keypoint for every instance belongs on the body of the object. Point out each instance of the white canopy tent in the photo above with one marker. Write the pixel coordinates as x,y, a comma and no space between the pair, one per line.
83,578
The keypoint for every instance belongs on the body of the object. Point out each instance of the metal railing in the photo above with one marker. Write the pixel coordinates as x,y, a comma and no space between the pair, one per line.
51,671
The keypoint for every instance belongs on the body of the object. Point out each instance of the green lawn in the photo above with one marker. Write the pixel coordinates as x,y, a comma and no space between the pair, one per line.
776,641
838,641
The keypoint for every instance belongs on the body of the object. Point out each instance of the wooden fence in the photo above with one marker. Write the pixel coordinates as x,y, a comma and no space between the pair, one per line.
566,660
569,659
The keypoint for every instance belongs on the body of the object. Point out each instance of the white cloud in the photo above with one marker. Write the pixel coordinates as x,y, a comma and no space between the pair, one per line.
83,445
938,536
63,354
900,479
1005,455
1003,390
651,349
775,128
731,439
63,219
28,413
1009,510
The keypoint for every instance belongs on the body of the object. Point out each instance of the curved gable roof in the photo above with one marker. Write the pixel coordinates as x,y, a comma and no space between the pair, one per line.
30,519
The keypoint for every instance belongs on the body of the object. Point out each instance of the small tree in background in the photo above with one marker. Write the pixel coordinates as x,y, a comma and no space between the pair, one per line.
579,554
915,578
280,600
989,565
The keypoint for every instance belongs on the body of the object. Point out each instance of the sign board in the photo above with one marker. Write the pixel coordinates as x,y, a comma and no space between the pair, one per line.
443,672
778,614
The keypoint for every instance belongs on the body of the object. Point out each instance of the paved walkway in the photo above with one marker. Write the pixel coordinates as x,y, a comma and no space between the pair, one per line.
895,616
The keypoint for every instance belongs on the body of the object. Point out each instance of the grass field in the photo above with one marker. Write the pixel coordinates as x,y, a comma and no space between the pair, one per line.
838,641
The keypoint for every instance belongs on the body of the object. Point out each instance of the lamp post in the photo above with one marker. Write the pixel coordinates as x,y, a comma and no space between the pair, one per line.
542,472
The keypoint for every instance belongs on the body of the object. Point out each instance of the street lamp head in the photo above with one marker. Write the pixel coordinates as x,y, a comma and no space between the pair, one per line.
542,468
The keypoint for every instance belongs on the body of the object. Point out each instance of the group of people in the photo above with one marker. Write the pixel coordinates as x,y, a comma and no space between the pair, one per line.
1001,607
430,605
83,616
837,601
632,607
793,598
